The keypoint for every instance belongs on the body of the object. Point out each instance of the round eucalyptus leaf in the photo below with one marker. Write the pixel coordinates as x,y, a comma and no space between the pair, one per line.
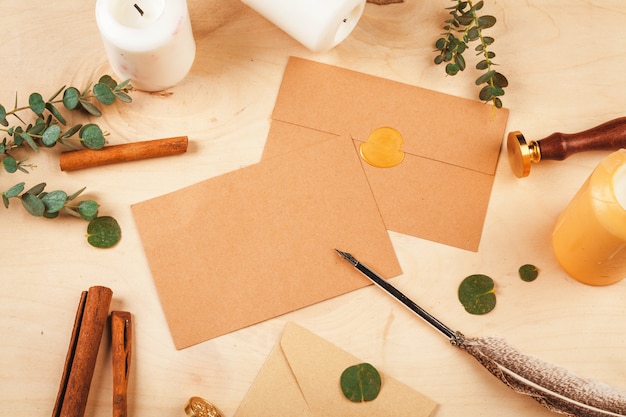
33,204
51,135
36,103
91,136
360,382
88,209
54,201
528,272
10,164
103,232
70,98
108,81
103,94
477,294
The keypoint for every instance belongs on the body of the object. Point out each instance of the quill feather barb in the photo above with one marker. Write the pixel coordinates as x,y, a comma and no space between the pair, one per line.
556,388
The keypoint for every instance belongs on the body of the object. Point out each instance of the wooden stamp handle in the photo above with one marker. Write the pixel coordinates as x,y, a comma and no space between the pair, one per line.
607,136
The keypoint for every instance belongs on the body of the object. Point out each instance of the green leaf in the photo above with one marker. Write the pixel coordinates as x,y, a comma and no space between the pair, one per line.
485,77
485,94
37,189
488,40
485,22
477,294
103,94
452,69
71,131
500,80
3,116
56,94
479,5
29,139
123,97
123,84
88,209
54,201
15,190
91,136
89,107
36,103
10,164
108,81
472,34
33,204
103,232
460,61
360,383
482,65
76,194
55,112
528,272
51,135
70,98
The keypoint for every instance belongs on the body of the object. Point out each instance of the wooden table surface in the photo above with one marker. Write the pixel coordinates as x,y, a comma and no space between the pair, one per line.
565,62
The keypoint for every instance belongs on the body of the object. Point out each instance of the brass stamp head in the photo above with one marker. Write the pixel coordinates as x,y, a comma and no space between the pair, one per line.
521,154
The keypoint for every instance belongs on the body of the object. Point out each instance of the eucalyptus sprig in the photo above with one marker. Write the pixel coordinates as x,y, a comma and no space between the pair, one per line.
46,131
468,25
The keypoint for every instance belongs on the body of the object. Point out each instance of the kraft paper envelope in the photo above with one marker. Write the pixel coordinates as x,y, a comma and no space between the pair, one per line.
258,242
441,190
301,378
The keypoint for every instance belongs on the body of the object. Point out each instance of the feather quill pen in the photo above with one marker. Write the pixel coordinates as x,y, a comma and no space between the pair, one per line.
556,388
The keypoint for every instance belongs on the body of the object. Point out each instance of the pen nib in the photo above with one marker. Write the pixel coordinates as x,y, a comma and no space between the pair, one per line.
347,257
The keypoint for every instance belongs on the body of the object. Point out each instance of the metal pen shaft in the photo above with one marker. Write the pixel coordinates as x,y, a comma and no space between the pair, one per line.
455,337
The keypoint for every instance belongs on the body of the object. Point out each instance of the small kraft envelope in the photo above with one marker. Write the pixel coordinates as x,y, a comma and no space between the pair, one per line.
301,378
440,191
258,242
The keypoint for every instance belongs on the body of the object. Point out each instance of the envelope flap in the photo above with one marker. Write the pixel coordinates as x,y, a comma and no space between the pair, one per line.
317,366
434,125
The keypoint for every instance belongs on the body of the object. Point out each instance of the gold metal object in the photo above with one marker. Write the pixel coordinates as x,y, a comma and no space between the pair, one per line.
199,407
522,154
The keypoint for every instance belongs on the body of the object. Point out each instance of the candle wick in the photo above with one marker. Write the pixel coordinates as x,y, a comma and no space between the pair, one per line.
138,9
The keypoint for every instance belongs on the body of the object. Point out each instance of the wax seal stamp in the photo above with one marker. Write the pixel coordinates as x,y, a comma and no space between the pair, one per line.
199,407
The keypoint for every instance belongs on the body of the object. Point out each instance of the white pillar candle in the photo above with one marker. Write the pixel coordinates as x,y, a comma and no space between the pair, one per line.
147,41
317,24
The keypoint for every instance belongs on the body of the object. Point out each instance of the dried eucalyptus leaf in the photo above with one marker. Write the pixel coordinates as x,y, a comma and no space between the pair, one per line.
71,131
528,272
89,107
51,135
88,209
55,112
477,294
108,81
10,164
360,382
33,204
54,201
103,94
91,136
15,190
36,103
70,98
37,189
123,97
3,116
103,232
29,139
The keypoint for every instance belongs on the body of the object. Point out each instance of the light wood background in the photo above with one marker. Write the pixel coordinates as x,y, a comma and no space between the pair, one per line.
565,62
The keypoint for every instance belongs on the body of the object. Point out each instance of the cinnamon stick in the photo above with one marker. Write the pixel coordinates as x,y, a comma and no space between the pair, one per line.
80,362
88,158
121,338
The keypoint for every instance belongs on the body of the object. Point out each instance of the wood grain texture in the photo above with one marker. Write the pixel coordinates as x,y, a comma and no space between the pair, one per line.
563,64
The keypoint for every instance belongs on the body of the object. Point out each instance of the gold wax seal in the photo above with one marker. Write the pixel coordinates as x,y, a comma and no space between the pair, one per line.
199,407
383,148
